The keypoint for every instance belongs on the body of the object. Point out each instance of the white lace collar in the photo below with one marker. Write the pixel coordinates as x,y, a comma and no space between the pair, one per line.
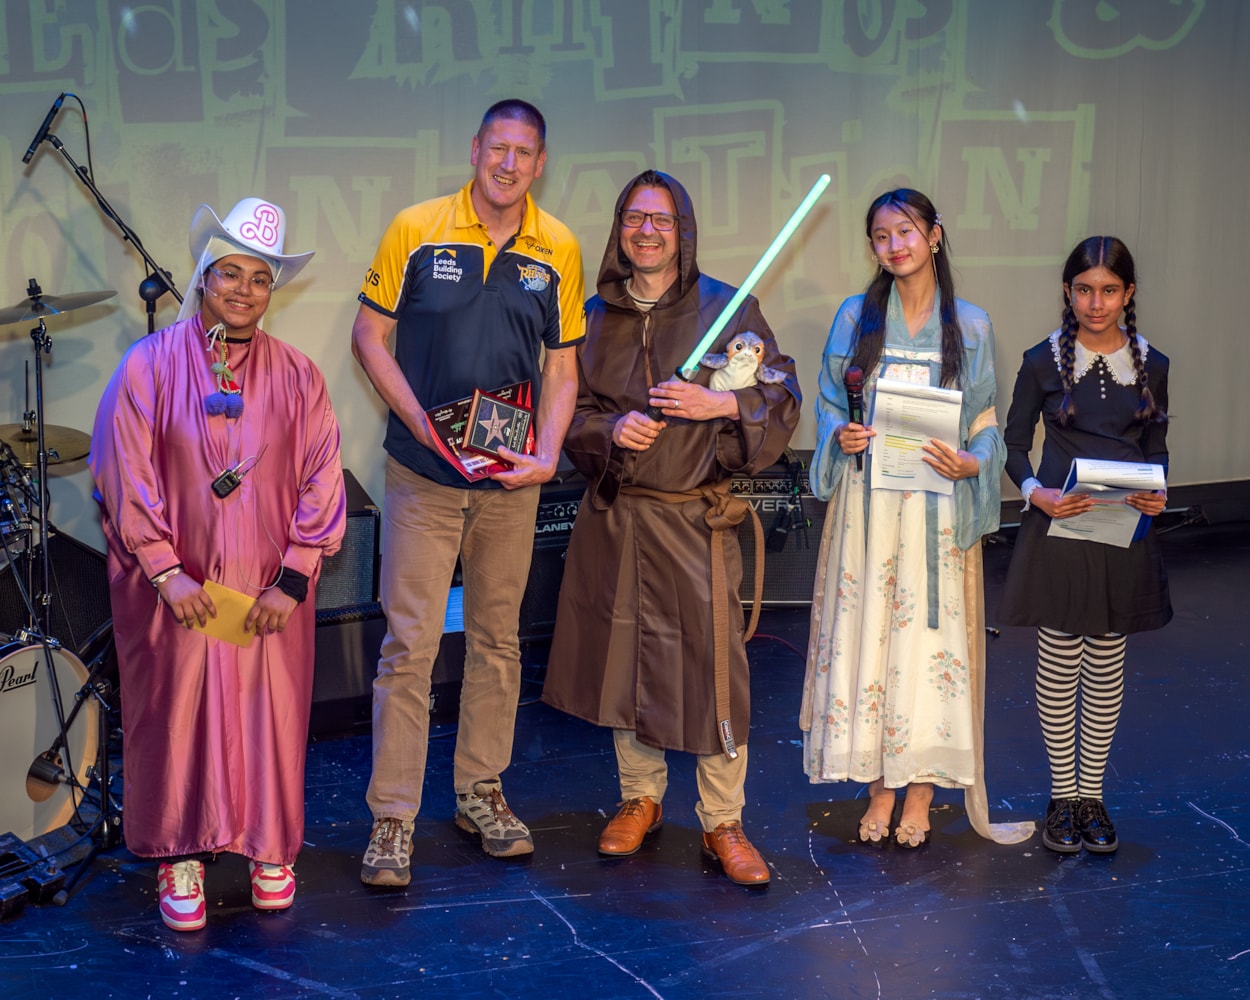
1119,363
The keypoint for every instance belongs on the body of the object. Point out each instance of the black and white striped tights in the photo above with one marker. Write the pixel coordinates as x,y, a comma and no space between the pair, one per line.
1094,665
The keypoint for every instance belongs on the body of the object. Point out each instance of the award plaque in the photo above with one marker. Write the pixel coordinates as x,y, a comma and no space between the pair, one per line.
449,424
494,423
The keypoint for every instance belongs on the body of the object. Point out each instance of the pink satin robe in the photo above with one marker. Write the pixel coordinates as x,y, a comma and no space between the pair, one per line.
215,735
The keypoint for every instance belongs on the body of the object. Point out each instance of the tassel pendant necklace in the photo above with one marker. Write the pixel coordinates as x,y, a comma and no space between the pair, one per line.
228,398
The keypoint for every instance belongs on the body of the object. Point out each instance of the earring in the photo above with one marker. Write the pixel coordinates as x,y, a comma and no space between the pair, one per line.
933,249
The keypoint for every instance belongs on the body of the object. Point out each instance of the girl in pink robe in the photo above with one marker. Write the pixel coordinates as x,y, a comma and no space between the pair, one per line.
214,733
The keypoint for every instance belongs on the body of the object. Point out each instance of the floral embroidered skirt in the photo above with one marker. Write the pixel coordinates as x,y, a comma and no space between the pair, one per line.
886,695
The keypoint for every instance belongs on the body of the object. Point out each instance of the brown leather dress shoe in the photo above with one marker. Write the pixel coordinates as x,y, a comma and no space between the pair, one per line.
741,861
624,832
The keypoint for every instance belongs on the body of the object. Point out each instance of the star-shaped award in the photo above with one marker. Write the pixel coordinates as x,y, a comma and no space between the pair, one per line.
494,427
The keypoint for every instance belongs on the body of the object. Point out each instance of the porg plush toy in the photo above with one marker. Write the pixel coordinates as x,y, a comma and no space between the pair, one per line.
741,365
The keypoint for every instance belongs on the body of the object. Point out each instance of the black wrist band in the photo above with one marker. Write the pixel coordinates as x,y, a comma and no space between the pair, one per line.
293,583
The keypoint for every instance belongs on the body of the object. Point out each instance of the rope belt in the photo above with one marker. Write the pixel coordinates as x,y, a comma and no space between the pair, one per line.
725,512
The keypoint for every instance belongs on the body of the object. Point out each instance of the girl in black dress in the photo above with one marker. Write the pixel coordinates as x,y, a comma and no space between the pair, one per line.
1101,392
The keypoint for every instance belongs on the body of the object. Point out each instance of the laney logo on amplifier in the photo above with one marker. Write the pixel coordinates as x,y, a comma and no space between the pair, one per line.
557,516
543,529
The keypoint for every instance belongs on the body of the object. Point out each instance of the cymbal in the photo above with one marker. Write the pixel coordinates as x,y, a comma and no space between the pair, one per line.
35,306
64,444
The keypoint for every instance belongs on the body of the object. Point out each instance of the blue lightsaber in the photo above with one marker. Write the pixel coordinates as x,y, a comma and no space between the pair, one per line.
688,370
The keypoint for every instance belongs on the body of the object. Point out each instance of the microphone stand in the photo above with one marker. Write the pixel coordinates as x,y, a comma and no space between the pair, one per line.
158,280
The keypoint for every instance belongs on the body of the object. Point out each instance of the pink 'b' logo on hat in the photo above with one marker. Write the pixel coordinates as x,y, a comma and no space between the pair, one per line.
264,227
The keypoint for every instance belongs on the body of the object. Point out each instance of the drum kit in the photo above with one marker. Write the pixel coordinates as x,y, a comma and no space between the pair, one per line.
53,710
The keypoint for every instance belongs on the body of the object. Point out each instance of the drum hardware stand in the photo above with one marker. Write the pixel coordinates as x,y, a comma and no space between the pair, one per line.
42,345
40,608
158,280
48,769
106,832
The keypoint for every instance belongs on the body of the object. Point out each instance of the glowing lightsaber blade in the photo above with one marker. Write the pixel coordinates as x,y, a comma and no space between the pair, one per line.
688,370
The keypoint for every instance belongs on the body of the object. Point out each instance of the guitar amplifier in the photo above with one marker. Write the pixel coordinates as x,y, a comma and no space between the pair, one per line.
793,518
348,587
553,527
789,572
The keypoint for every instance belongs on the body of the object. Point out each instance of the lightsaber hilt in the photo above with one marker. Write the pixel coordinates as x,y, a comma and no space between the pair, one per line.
654,412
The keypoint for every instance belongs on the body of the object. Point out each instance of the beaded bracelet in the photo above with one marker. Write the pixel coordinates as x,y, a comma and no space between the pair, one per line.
158,580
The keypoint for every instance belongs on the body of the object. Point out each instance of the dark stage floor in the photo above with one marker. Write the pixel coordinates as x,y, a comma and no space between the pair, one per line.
1165,917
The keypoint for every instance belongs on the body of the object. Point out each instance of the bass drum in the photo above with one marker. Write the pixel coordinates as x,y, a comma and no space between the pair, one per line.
28,727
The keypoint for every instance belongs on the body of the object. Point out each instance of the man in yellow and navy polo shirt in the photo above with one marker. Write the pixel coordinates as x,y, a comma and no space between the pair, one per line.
472,286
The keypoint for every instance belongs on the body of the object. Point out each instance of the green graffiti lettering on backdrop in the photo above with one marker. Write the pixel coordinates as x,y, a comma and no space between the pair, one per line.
1018,204
1108,30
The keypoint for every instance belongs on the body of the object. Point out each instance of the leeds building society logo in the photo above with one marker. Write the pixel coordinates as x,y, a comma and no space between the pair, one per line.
534,277
445,266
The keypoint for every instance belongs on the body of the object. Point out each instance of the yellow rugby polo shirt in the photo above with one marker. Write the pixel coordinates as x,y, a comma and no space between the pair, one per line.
470,314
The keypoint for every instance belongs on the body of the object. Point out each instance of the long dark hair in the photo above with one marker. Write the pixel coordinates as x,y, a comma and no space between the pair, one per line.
1111,253
870,330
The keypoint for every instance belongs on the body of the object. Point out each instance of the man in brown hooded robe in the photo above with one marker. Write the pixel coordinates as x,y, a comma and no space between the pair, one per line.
650,596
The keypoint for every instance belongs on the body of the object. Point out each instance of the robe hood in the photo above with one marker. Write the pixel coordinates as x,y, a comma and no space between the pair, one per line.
616,267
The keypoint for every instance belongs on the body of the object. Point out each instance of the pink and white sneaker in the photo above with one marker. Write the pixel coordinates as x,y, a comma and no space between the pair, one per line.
273,886
181,889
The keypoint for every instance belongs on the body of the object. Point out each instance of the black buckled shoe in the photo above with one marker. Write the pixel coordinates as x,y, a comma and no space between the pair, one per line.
1096,830
1059,832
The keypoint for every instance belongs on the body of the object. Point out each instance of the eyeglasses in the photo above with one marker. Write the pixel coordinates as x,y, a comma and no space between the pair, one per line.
261,284
660,221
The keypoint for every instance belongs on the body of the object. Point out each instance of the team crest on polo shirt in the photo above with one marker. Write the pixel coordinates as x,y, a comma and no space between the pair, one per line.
534,277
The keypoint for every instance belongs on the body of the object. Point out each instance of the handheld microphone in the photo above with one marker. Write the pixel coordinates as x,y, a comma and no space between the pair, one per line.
43,129
854,379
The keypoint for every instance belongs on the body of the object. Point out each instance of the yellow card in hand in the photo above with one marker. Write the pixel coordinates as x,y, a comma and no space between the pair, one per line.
232,608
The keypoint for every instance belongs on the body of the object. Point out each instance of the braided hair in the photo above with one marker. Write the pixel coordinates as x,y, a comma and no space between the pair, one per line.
870,328
1111,253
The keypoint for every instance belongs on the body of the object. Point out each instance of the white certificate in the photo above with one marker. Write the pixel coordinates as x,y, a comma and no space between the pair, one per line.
906,416
1112,521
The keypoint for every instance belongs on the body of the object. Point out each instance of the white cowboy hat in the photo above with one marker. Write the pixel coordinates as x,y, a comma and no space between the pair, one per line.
254,227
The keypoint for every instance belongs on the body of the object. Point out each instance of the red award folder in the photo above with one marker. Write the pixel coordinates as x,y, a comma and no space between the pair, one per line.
449,421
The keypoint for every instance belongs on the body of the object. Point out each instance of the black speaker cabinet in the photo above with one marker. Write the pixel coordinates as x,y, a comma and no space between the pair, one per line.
346,662
557,508
789,572
81,617
350,626
349,578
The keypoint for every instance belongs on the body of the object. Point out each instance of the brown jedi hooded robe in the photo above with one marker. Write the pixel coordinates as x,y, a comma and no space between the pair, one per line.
633,636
